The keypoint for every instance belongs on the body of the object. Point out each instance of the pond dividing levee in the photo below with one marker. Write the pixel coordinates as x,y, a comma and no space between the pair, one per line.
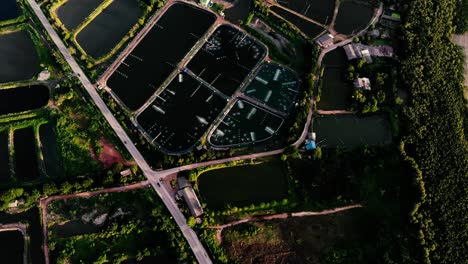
145,69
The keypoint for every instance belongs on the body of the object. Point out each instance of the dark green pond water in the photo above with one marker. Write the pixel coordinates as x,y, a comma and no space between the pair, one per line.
12,247
243,185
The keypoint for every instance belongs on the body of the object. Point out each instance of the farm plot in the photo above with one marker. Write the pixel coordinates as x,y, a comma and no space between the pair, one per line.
49,150
308,28
274,85
352,17
245,124
73,12
243,185
15,100
318,10
350,131
109,27
19,58
9,10
25,154
336,92
4,157
227,58
181,114
120,227
157,55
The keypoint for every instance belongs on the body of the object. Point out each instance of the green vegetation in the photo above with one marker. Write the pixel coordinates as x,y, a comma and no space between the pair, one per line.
461,19
80,127
136,226
435,122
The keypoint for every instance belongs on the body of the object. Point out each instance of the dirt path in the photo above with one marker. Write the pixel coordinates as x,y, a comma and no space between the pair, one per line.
45,202
220,228
462,40
334,112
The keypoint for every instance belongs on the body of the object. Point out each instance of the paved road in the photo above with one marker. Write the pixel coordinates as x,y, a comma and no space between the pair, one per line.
197,248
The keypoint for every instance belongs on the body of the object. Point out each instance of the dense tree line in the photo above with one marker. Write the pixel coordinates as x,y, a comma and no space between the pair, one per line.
435,121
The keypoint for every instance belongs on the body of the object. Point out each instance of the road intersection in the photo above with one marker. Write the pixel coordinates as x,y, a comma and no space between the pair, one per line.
197,247
154,177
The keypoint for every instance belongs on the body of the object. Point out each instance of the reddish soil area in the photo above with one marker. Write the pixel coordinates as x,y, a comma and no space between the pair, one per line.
109,155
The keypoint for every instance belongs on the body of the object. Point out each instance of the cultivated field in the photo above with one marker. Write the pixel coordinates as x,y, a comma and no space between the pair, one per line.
181,114
308,28
350,131
352,17
294,240
19,99
245,124
73,12
243,185
157,55
276,86
227,58
105,31
126,226
26,165
19,58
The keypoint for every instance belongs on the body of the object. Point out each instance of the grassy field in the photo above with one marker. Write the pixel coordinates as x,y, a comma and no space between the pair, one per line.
294,240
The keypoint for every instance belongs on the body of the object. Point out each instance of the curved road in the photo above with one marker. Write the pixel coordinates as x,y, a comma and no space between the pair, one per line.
152,176
197,247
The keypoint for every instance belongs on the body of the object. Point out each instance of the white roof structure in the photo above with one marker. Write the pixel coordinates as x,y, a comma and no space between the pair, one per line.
363,83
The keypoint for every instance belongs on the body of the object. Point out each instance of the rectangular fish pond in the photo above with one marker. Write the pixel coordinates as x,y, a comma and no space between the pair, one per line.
348,131
157,55
243,185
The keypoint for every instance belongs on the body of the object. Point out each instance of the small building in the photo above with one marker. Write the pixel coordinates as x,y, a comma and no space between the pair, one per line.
126,173
351,53
362,83
375,33
204,2
310,145
186,191
325,40
358,50
43,75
